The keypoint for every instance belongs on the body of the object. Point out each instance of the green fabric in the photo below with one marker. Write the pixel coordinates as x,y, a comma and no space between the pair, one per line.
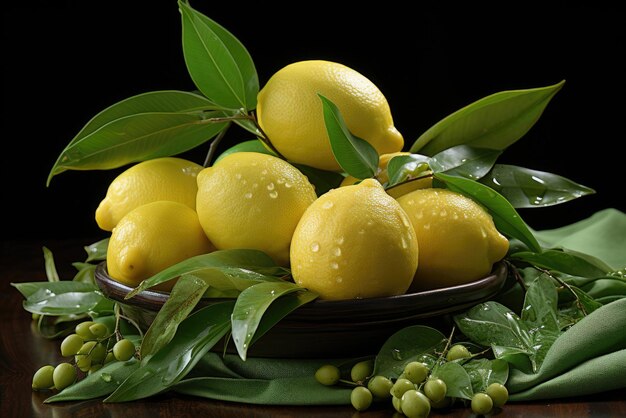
588,358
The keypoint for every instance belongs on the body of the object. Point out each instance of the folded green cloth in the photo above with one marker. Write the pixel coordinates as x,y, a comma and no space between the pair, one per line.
588,358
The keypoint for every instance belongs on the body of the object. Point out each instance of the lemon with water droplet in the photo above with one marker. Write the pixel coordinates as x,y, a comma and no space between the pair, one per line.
253,200
354,242
458,240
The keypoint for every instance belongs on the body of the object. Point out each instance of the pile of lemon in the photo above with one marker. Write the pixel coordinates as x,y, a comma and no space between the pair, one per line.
355,241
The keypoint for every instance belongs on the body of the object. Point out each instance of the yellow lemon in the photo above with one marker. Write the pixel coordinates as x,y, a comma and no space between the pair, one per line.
290,113
354,242
458,240
253,200
153,237
383,177
167,178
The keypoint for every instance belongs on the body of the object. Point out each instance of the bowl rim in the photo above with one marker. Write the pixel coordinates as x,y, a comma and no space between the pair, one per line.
419,304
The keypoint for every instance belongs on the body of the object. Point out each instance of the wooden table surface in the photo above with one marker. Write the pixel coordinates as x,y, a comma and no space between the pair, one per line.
22,352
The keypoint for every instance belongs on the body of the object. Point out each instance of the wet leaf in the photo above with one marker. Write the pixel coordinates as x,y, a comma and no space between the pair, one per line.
457,380
565,261
464,161
51,270
404,167
62,298
97,251
483,372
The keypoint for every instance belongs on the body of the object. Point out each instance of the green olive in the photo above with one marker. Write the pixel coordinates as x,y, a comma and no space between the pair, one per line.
71,344
361,398
416,372
415,404
498,394
458,351
397,404
99,330
63,376
435,389
362,370
82,329
42,379
481,403
124,349
401,386
380,386
328,375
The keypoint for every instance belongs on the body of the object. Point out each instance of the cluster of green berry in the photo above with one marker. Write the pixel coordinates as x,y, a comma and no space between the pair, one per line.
92,346
414,392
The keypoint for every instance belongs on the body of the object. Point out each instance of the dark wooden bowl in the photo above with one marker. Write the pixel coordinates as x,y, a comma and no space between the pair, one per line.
332,328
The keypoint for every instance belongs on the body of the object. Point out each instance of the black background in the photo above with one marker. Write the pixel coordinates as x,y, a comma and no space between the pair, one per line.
65,61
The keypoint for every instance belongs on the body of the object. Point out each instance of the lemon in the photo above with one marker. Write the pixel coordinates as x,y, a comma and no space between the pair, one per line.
383,177
289,111
253,200
458,240
167,178
354,242
153,237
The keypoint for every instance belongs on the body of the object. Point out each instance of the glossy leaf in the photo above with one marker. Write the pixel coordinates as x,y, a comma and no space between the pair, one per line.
540,305
219,65
412,343
51,270
217,267
526,188
136,138
322,180
195,336
457,380
254,145
355,156
97,251
483,372
62,297
250,308
505,217
183,298
495,121
585,303
565,261
86,272
105,133
464,161
404,167
97,384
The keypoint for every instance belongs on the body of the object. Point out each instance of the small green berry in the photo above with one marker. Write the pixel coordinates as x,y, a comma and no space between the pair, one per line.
42,379
481,403
71,344
99,330
498,394
362,370
401,386
63,376
82,329
361,398
397,403
415,404
435,389
109,357
124,349
380,386
416,372
328,375
458,351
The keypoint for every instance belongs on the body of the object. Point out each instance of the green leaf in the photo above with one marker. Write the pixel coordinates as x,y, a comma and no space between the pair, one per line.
405,167
219,65
526,188
254,145
51,270
195,336
412,343
97,384
322,180
457,380
97,251
183,298
464,161
565,261
495,121
138,137
505,217
355,156
62,298
586,303
483,372
86,272
250,308
137,114
540,305
224,269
